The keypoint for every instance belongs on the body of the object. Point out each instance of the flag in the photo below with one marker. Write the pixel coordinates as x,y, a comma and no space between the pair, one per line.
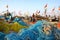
45,6
53,9
6,6
19,13
38,11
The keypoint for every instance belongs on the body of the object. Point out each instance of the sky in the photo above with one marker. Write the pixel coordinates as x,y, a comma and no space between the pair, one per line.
28,5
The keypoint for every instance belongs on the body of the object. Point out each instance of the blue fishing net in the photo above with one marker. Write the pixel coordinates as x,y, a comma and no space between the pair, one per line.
28,35
2,35
57,34
36,32
20,21
31,33
43,35
12,36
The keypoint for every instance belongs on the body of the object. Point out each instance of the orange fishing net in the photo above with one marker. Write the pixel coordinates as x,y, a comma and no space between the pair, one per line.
58,25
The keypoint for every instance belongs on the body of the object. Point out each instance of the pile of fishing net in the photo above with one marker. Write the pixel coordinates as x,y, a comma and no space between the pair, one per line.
41,30
12,36
16,27
7,28
2,35
37,32
20,21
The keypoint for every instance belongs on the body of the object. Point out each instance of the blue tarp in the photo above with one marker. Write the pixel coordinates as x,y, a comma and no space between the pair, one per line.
1,17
